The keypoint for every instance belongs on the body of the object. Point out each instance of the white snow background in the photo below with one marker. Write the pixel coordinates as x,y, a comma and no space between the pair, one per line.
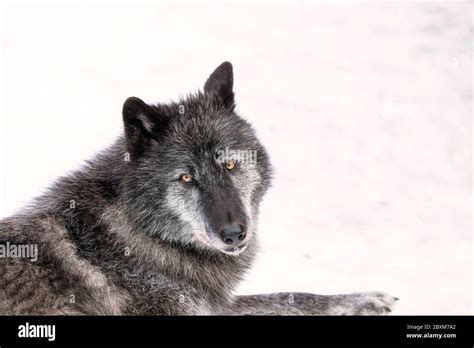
365,108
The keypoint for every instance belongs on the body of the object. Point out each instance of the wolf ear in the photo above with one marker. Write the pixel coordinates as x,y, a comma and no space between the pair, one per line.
220,84
139,121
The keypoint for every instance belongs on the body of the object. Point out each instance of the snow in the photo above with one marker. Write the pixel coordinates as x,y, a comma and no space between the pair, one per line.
366,110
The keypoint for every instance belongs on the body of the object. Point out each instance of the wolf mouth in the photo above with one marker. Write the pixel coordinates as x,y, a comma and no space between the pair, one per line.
229,250
235,250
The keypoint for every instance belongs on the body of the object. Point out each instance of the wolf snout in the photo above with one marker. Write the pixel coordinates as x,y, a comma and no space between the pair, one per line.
233,234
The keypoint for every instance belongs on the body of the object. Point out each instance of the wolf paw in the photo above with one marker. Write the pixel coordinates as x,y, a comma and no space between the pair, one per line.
366,303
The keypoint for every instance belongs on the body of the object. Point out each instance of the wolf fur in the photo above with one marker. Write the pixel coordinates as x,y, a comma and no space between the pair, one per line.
124,235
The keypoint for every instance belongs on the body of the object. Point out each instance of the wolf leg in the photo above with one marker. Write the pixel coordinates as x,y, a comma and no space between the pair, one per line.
361,303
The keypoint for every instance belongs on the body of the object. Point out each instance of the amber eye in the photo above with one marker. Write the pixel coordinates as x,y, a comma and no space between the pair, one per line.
186,178
230,165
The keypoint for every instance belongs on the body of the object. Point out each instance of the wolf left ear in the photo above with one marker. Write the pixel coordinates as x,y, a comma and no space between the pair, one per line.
221,83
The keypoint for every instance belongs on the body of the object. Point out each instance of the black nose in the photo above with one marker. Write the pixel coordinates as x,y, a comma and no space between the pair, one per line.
233,234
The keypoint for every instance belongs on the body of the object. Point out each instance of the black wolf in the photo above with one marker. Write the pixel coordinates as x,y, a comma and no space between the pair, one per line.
164,222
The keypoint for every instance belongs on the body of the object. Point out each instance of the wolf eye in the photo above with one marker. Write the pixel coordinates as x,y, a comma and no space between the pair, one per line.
230,165
186,178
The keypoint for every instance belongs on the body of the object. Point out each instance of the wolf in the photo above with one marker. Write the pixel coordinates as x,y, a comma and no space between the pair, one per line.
162,222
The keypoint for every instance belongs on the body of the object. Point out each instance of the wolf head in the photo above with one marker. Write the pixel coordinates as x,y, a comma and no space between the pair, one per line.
196,172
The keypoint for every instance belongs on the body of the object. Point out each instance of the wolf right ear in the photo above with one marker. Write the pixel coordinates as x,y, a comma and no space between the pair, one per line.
140,122
220,84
